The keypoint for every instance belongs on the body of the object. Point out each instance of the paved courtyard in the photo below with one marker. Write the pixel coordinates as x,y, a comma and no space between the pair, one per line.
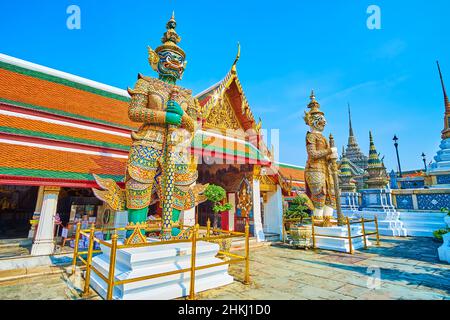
401,268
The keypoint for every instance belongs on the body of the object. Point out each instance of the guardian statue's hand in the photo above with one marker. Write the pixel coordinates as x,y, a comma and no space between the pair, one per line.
174,112
334,154
174,107
173,119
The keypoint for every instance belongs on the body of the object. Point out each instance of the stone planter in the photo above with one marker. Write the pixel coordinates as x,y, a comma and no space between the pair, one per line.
224,245
301,235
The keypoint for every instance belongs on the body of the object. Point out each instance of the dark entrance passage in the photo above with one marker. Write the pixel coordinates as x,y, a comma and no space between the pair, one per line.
17,204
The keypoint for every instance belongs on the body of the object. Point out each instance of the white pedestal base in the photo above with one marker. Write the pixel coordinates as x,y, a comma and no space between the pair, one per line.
339,244
444,250
136,262
389,223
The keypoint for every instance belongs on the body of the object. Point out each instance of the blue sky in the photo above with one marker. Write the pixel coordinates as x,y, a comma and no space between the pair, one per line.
388,76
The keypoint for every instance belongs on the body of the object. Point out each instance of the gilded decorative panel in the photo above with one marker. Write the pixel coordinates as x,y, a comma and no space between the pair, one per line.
222,116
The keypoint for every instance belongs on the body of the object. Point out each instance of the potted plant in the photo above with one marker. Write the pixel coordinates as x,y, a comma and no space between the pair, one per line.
300,233
216,195
298,209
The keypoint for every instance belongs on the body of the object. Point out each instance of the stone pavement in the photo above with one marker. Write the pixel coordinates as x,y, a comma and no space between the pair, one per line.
408,268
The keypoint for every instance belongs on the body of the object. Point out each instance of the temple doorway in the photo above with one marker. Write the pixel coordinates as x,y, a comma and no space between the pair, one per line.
230,177
17,204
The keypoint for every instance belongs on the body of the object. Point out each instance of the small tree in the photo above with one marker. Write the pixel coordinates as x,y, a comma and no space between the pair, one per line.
297,209
216,195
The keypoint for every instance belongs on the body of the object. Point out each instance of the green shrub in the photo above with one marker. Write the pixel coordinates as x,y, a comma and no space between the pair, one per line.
439,233
216,194
297,209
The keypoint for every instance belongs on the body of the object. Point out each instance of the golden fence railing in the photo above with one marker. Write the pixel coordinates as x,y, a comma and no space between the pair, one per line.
210,235
364,234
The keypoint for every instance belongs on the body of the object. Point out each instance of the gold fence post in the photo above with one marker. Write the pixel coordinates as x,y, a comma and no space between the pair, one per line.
313,233
247,254
364,233
112,266
349,230
208,228
75,249
378,234
87,276
193,254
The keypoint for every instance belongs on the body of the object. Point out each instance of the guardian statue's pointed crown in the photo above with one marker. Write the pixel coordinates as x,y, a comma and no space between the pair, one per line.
168,59
314,110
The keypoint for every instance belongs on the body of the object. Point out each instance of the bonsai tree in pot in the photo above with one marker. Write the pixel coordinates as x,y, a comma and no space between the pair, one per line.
298,209
216,195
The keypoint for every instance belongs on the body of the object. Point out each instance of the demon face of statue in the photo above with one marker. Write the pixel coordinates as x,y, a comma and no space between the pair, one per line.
318,122
171,64
167,63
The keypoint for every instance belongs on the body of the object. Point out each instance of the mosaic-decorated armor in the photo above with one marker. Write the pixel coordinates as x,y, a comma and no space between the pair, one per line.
318,174
159,166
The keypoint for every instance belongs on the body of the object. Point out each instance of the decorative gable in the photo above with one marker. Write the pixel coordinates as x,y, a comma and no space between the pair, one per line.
222,116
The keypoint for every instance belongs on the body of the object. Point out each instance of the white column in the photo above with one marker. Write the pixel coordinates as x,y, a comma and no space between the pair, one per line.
257,224
232,211
37,211
273,213
43,243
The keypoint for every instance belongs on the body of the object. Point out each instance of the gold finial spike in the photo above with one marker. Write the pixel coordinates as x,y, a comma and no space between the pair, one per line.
238,55
171,24
442,84
312,96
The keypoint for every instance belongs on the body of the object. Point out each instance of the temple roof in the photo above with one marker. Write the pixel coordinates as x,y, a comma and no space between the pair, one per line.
58,128
293,173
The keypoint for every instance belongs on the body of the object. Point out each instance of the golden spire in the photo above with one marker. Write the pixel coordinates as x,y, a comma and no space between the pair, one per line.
446,131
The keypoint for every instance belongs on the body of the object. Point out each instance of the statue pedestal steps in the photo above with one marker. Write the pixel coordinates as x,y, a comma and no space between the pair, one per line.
389,223
339,244
144,261
422,224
